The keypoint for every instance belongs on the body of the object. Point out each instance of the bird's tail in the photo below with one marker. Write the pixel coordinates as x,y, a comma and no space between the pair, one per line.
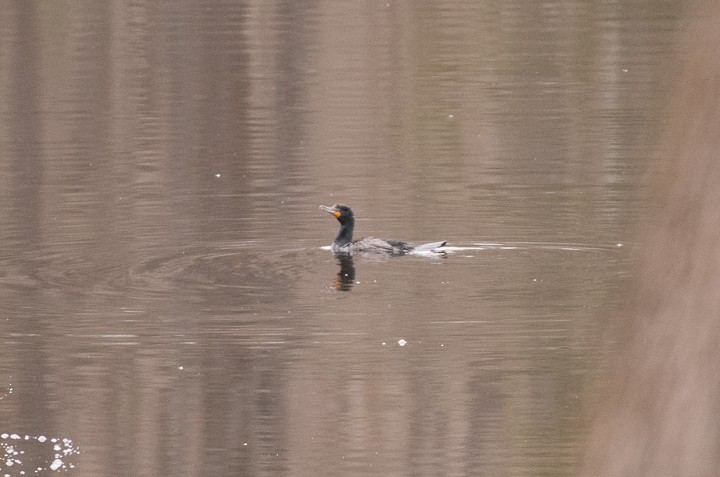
429,247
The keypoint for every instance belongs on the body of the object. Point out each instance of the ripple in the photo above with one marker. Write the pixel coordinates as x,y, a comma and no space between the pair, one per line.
199,271
251,268
570,247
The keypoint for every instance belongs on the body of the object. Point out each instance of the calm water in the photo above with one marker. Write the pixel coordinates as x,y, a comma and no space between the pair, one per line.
166,304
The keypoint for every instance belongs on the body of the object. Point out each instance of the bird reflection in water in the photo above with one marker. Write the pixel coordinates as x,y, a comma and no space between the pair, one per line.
345,278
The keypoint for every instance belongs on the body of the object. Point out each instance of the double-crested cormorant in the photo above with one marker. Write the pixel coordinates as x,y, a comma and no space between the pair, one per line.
344,243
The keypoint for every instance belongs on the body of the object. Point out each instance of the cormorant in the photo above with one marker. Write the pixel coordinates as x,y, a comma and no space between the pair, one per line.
344,242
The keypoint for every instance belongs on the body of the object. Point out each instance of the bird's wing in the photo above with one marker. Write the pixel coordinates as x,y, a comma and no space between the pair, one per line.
374,243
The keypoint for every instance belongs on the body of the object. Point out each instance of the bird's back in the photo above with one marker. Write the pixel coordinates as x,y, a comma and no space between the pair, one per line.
376,245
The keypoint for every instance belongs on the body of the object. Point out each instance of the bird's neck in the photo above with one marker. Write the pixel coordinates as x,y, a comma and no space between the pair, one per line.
344,237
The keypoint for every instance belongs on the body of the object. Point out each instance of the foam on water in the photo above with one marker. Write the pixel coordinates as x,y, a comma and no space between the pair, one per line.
32,454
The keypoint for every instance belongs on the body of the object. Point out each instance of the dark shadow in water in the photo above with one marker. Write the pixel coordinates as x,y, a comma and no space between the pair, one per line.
346,276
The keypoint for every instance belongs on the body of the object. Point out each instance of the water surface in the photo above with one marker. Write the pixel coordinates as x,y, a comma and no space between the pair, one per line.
167,303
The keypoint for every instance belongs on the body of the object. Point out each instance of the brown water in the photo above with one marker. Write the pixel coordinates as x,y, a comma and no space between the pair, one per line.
166,304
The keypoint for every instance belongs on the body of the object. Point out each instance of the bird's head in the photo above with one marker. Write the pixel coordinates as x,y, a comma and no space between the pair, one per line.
341,212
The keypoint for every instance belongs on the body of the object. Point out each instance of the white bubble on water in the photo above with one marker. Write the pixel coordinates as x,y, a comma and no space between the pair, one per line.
33,454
